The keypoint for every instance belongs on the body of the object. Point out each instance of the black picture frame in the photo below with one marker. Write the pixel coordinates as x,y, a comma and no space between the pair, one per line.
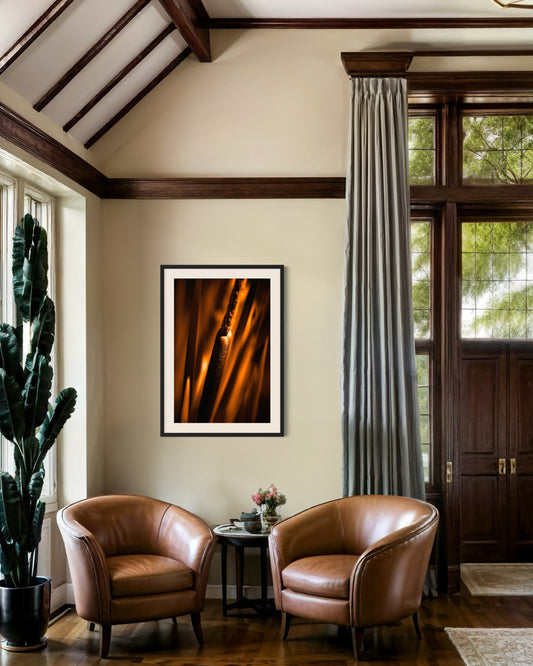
222,350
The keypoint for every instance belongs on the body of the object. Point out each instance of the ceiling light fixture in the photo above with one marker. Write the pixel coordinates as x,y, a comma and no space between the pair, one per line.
514,4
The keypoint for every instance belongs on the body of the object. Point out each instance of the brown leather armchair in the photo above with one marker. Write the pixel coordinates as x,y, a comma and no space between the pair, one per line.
134,559
357,562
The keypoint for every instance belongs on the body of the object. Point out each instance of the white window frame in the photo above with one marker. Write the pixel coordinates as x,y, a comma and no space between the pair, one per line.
13,202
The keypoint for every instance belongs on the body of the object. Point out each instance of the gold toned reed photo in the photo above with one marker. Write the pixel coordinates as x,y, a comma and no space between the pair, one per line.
222,350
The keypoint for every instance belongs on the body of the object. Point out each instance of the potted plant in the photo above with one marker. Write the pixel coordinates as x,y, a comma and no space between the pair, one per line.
32,424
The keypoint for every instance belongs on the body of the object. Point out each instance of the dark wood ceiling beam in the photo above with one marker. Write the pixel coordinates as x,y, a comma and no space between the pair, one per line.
18,131
225,188
171,66
467,83
118,78
33,32
368,23
190,17
90,54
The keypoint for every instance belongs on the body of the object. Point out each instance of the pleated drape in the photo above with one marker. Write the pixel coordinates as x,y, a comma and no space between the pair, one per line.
381,439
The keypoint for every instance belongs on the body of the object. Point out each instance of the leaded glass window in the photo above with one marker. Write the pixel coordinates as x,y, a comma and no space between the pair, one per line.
422,150
497,280
497,149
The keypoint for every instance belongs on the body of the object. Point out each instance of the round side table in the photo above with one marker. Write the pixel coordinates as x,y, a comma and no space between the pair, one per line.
230,535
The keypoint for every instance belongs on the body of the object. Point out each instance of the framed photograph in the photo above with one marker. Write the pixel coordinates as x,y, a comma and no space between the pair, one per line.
221,350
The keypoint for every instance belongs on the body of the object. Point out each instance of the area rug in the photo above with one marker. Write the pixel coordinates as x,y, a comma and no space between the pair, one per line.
493,647
509,579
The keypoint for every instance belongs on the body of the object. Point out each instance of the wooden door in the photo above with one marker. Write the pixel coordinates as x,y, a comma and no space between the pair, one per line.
495,455
521,457
482,445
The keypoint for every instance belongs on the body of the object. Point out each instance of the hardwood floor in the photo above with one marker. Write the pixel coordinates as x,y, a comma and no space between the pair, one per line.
255,641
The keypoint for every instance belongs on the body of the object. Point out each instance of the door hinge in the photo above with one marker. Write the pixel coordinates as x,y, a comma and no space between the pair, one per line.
449,472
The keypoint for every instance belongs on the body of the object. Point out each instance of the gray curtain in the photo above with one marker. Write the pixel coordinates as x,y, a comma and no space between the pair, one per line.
381,439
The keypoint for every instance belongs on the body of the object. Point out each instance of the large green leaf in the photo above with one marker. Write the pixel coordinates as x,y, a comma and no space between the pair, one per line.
11,408
35,487
30,267
55,420
43,332
37,393
10,352
12,514
34,534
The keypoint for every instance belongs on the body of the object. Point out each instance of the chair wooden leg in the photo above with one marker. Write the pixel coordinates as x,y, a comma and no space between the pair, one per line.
90,626
174,620
417,626
105,640
357,642
197,627
285,624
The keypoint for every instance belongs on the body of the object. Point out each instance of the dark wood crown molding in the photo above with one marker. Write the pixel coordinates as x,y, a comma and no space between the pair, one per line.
368,23
396,63
25,135
225,188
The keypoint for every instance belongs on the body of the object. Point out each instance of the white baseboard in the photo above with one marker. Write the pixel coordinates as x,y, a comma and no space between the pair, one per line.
62,595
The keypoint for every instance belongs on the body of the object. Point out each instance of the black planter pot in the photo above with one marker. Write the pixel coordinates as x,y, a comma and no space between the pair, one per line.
24,615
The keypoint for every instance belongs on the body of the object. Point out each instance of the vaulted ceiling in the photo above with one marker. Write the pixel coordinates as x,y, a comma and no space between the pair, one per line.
86,63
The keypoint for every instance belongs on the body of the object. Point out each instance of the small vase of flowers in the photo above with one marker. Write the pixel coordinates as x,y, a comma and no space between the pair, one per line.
268,501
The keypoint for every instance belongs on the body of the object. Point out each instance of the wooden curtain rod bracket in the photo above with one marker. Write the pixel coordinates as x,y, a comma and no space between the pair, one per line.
374,63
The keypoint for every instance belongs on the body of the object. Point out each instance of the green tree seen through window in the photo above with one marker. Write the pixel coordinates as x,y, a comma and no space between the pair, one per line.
497,149
422,150
497,279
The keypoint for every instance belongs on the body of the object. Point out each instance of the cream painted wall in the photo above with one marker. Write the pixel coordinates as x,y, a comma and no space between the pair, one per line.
273,103
215,476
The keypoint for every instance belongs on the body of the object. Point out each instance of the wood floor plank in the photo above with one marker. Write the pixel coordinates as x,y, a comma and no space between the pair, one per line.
256,641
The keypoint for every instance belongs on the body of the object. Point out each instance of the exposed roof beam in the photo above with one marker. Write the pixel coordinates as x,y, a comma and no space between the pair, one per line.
33,32
118,78
90,54
190,18
172,65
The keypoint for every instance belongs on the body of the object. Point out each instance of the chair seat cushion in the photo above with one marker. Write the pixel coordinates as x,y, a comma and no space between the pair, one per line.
134,575
321,575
